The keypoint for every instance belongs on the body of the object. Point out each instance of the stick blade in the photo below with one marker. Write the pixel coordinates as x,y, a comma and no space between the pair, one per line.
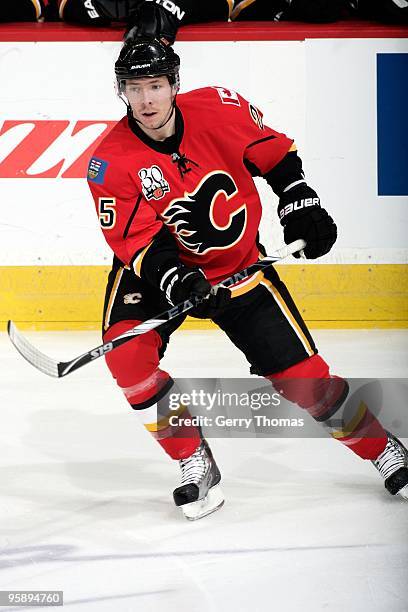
38,359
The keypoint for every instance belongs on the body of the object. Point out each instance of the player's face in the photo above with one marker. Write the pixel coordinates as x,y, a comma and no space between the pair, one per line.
151,100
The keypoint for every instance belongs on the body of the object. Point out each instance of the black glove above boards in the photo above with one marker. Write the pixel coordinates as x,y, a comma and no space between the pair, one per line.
162,18
152,20
302,216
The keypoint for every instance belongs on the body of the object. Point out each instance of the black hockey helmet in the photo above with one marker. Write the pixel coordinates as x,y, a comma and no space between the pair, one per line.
144,57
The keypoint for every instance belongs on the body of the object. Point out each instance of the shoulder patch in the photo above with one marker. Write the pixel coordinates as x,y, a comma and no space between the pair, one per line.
228,96
96,170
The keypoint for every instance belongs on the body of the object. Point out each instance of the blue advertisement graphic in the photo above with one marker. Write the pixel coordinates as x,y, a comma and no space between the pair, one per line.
392,123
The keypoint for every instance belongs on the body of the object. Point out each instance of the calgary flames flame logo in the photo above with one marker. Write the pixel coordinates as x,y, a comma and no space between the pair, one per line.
192,218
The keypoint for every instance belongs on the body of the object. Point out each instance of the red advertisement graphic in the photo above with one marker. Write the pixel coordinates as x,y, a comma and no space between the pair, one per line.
49,144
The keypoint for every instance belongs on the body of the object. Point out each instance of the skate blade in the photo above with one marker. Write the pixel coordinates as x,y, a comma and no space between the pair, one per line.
203,507
403,492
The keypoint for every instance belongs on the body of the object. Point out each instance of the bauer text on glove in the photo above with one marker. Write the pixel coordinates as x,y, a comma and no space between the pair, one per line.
302,216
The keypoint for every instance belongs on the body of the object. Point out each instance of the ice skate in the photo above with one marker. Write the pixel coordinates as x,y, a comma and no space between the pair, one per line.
199,493
393,467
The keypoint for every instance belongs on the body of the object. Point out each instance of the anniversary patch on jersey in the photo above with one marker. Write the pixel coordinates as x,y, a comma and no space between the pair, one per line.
96,170
193,218
154,185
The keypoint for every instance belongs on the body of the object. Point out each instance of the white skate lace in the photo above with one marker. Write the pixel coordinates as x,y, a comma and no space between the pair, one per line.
194,467
391,459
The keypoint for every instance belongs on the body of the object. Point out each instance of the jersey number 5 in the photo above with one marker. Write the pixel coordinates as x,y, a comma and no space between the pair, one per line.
107,212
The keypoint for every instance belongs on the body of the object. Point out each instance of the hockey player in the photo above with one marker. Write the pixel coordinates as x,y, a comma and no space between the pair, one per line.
174,192
154,16
162,18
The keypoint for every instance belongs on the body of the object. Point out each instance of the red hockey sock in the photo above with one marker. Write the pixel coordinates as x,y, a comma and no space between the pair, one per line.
310,385
135,366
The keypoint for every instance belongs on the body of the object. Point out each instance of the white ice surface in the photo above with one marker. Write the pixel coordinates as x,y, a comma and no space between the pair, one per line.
86,501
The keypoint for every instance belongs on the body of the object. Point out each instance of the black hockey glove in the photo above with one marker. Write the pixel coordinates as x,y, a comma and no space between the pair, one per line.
301,216
181,283
151,20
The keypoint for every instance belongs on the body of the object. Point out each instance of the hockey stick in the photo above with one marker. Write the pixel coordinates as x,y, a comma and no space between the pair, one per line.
57,369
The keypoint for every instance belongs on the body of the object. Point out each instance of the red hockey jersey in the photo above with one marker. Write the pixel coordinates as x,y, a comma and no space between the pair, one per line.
213,208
